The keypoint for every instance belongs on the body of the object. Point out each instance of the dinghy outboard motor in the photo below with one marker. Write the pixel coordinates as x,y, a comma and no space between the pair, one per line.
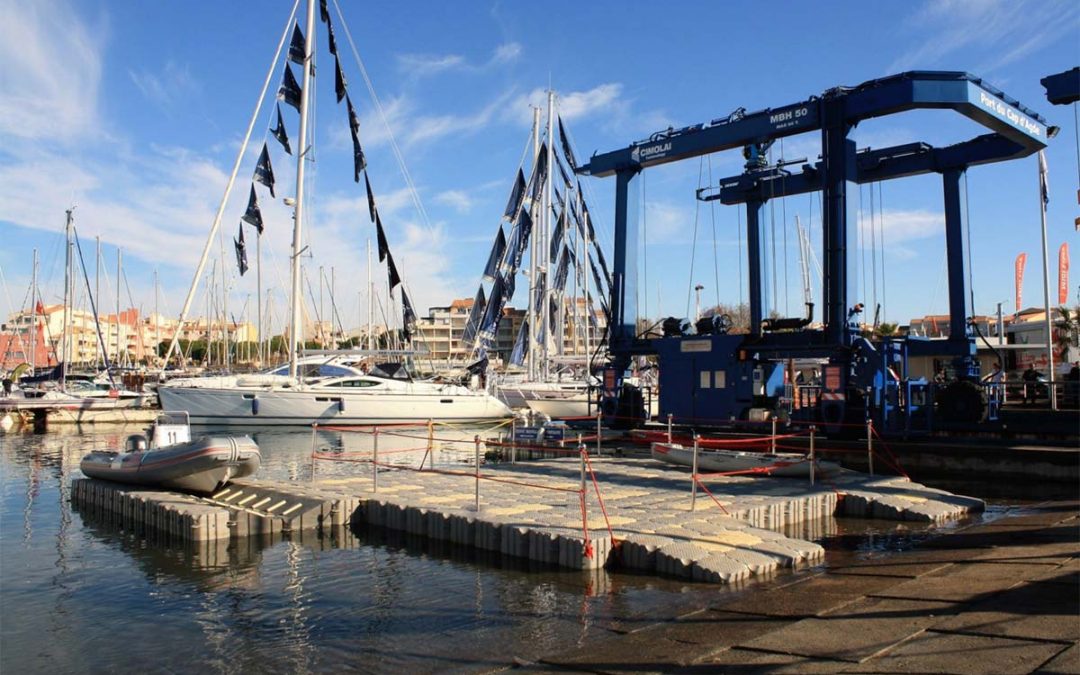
135,443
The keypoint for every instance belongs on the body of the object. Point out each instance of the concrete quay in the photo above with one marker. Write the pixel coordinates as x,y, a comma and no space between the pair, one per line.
1001,597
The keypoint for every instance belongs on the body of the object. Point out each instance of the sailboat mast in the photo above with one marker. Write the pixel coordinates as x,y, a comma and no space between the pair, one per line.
97,296
157,314
33,316
119,263
298,213
370,301
585,276
545,252
64,351
533,260
258,296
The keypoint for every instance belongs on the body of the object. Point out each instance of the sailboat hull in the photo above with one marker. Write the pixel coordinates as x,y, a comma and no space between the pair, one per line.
303,407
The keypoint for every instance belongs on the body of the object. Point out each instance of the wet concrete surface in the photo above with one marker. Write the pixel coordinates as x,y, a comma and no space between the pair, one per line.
998,597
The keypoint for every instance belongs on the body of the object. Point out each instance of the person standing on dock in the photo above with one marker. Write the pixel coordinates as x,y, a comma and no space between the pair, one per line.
1031,379
995,380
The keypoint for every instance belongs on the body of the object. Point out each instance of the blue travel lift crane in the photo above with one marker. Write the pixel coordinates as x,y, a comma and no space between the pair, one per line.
718,378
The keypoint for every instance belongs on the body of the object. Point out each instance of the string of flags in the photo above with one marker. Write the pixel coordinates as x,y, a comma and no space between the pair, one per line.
290,92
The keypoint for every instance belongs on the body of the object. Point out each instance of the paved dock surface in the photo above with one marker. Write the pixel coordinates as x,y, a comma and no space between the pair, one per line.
1001,597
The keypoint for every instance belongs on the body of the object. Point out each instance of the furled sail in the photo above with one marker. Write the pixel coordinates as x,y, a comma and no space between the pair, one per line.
279,132
253,215
496,255
264,172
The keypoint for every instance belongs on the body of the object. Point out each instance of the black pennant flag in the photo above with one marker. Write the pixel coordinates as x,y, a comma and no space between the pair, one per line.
566,146
279,132
380,236
253,215
330,40
339,80
264,173
359,161
289,90
539,175
370,198
391,270
496,255
408,316
476,313
297,47
517,196
557,235
323,14
241,252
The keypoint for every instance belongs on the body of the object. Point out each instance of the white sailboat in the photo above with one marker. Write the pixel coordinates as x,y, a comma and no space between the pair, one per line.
378,394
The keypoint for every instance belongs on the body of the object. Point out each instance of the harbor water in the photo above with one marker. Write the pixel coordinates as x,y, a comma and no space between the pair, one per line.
82,596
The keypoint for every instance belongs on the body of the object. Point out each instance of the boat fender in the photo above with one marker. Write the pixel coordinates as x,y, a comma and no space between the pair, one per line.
341,405
255,405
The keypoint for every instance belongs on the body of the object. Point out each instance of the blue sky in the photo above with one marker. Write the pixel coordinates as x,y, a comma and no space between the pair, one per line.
134,113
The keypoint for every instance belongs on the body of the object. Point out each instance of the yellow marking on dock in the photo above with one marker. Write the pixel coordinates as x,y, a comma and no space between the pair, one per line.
291,509
247,499
277,506
260,502
516,509
238,493
222,493
737,538
910,498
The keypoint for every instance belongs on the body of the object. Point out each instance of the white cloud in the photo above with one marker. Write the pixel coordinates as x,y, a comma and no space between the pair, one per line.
571,105
172,85
423,65
984,26
505,53
426,65
457,199
52,71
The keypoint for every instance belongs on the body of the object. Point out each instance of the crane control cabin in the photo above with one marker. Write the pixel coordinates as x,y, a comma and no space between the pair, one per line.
710,375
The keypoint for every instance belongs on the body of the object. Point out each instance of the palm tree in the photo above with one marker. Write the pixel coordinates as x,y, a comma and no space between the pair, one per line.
1067,333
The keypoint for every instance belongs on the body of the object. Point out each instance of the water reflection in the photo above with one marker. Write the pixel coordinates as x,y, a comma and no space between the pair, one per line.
370,601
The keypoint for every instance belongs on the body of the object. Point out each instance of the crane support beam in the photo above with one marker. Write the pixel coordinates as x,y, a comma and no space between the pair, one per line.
962,92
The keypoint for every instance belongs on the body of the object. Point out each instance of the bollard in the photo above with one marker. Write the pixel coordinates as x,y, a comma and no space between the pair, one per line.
314,428
598,451
430,443
693,476
375,464
772,441
812,430
476,459
669,427
870,445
